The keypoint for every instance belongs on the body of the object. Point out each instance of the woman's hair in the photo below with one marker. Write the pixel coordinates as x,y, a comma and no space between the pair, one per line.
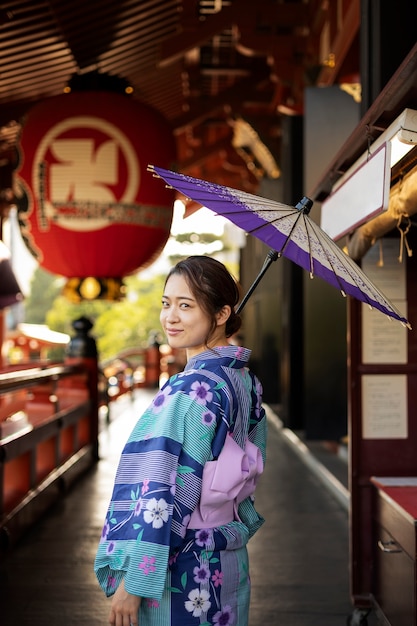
213,287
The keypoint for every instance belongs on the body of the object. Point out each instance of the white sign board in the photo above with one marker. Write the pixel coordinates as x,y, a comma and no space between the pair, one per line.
383,340
361,197
384,406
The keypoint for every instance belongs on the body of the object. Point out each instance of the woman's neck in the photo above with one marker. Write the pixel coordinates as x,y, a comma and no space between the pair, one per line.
211,345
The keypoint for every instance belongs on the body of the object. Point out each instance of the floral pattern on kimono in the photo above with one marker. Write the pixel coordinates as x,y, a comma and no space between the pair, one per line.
184,574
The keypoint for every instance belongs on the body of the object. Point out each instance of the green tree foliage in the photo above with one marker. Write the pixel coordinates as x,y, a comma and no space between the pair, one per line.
63,313
45,287
129,324
117,325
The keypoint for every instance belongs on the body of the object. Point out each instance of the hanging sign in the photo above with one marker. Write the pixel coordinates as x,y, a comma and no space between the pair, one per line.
364,195
88,207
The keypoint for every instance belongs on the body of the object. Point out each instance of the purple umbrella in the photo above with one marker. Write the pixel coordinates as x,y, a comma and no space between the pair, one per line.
290,232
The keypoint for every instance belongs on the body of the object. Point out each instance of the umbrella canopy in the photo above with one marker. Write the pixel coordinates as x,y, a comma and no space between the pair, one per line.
290,232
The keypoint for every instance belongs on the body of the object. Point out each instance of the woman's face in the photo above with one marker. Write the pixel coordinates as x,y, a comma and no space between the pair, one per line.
185,323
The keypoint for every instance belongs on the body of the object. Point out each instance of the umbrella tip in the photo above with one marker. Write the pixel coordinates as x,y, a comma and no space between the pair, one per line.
304,205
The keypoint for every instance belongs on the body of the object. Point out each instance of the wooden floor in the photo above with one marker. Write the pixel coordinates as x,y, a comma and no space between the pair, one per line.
299,559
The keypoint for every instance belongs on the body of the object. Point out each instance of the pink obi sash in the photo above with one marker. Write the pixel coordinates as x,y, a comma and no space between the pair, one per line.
227,482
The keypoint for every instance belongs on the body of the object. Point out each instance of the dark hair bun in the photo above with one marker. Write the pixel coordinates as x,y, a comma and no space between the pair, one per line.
233,324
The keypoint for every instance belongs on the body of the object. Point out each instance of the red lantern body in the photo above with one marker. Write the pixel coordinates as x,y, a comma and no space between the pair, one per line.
88,206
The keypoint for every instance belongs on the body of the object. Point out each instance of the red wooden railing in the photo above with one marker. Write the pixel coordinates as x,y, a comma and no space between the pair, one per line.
48,437
49,421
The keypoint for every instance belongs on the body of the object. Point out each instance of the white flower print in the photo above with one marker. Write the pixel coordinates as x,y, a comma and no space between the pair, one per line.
198,602
156,512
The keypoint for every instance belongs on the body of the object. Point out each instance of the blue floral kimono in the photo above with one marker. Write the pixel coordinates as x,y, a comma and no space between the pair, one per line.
186,576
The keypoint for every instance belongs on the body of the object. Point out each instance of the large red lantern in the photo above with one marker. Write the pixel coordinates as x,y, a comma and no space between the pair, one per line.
89,209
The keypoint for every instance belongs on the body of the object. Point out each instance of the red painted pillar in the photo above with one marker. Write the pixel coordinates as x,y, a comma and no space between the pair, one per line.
152,363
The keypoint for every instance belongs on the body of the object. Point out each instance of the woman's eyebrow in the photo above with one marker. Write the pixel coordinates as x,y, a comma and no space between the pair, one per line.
179,298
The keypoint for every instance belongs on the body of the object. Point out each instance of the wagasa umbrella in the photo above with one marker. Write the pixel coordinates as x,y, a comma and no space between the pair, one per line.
290,232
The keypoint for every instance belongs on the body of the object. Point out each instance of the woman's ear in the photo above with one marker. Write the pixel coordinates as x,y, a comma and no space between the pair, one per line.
223,315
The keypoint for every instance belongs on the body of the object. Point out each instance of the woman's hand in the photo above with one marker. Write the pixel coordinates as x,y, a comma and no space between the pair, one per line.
124,608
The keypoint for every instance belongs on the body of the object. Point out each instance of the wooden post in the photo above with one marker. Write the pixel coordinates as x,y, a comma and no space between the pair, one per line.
83,349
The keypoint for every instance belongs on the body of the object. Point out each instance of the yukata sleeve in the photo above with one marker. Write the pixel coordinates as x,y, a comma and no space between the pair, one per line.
144,515
258,433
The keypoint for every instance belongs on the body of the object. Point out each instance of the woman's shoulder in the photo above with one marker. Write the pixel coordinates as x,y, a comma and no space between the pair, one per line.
202,385
211,372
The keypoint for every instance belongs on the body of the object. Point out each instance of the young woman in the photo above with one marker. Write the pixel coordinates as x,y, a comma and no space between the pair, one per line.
173,547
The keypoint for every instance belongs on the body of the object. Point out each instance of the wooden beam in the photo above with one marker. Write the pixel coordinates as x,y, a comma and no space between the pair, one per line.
399,93
175,47
232,98
341,45
201,154
272,20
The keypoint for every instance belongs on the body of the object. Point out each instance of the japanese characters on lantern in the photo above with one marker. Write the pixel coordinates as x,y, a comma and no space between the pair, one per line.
88,208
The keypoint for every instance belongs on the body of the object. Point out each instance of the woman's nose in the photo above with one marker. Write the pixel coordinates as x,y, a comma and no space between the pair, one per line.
171,315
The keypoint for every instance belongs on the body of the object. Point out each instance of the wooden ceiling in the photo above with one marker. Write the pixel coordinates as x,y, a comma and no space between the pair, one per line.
218,70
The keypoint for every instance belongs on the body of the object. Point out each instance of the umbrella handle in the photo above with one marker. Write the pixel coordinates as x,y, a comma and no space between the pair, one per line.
270,257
